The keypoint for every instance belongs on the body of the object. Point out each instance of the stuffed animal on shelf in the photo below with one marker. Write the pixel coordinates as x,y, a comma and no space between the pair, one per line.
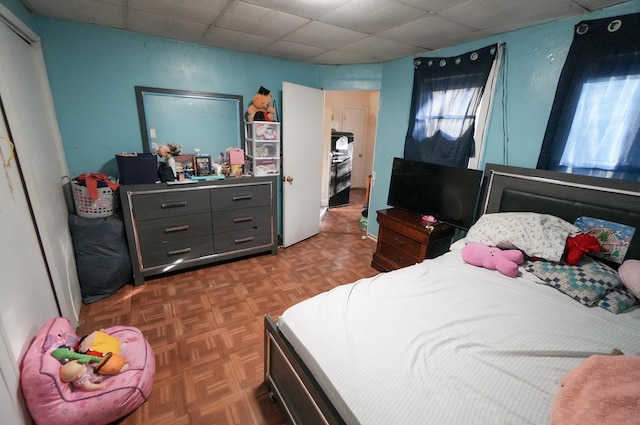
260,108
578,245
505,261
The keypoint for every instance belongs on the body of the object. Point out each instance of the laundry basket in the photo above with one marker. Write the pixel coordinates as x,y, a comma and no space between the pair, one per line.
93,208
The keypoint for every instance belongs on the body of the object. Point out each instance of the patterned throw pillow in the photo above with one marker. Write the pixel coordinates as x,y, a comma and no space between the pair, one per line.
587,282
618,300
614,238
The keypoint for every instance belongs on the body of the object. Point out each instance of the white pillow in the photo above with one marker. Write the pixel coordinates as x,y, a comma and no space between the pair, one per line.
537,235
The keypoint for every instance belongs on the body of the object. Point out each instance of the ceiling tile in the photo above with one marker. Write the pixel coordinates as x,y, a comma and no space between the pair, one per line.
429,32
338,57
323,35
235,40
432,5
291,51
151,23
598,4
259,20
372,16
476,14
527,8
305,8
203,11
380,48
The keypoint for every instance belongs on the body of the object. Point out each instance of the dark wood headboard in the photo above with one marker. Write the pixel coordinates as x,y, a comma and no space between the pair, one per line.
568,196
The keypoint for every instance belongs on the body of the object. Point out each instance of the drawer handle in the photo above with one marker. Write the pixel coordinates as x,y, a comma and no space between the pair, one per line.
399,242
179,251
242,219
176,229
243,240
242,198
174,204
397,258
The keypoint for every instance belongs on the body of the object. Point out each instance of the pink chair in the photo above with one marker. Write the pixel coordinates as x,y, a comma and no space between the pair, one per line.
51,401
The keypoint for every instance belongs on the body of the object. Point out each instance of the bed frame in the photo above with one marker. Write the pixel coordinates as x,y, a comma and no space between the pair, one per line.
505,189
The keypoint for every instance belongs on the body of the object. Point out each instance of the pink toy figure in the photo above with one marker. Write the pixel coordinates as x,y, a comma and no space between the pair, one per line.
492,258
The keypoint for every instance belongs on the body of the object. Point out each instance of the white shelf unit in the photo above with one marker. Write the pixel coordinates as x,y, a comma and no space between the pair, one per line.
262,147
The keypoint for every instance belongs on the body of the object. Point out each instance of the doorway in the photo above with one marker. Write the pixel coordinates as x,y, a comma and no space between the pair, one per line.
351,111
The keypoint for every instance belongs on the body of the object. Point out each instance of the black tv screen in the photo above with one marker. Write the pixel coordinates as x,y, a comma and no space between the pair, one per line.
448,193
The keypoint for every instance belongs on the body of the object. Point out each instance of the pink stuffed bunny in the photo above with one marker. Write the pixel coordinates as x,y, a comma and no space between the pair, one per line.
492,258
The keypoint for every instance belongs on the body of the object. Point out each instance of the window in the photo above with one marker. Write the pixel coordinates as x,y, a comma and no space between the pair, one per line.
446,96
594,127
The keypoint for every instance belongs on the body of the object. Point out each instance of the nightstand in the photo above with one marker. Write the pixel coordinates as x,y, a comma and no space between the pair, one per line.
403,240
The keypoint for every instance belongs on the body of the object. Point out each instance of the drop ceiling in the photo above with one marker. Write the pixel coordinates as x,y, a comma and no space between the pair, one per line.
319,31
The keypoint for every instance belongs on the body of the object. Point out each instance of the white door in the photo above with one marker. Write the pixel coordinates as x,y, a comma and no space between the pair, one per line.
302,122
354,121
28,299
26,96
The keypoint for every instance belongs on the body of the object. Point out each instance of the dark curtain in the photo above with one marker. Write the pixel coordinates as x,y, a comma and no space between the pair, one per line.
594,124
446,95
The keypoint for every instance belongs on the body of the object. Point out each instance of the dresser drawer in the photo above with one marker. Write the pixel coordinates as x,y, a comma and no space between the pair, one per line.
232,220
173,228
240,197
242,239
175,251
169,204
400,242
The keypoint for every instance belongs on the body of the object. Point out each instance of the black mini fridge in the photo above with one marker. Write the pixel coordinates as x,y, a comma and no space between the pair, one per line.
341,164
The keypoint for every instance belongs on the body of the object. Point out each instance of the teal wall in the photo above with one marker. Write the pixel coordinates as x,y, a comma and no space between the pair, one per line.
92,72
534,59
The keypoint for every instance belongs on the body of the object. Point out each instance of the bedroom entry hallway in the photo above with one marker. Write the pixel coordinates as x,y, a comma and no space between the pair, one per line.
206,325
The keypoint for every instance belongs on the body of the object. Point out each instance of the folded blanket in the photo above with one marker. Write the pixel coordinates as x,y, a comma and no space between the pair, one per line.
601,390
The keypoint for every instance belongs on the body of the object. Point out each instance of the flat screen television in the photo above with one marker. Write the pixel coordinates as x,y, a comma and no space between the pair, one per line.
448,193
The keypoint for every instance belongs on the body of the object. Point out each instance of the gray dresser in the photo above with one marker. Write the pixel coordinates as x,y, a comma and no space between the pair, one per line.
172,227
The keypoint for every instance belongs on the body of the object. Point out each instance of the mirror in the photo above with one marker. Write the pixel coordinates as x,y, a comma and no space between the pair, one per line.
210,122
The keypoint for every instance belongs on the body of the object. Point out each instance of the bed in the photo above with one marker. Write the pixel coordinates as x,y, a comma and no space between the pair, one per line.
445,342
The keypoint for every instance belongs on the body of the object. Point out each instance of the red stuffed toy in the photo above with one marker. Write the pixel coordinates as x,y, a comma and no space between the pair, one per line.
578,245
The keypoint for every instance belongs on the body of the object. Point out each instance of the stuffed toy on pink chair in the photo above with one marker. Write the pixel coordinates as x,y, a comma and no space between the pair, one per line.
505,261
53,401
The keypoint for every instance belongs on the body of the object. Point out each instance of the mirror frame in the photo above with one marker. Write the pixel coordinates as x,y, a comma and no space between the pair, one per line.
142,118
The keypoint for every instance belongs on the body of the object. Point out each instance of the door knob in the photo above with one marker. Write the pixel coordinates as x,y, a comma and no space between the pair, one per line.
288,179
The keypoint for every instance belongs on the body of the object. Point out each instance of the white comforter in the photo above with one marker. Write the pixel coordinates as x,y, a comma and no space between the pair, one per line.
444,342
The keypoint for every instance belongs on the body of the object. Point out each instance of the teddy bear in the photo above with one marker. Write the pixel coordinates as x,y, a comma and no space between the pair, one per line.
260,108
505,261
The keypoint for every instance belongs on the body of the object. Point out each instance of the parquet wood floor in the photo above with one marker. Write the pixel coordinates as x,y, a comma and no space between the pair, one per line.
206,325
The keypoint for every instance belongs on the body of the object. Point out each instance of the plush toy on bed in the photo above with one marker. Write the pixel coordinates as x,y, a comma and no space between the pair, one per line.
505,261
578,245
260,108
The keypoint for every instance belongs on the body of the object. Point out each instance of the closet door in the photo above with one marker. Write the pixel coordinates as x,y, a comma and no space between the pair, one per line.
30,120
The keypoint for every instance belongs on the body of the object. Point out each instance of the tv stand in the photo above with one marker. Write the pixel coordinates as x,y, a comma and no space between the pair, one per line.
404,239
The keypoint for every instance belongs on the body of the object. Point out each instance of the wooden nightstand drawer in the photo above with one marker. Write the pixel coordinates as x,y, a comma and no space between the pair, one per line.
397,256
399,242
